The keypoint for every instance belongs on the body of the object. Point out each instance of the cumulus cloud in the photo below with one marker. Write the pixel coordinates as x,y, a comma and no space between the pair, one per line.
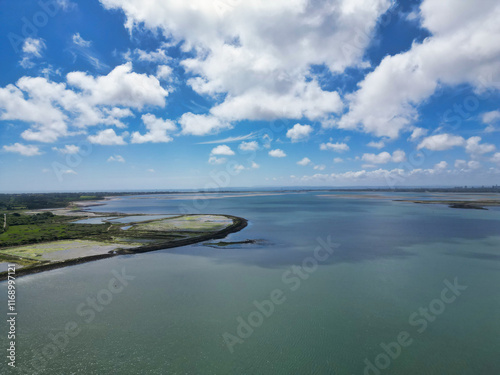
277,153
299,132
384,157
25,150
255,165
50,108
121,87
319,167
338,160
32,48
116,158
164,72
157,56
248,146
473,146
379,144
337,147
459,51
107,137
418,133
215,160
380,176
491,117
157,130
304,162
68,149
441,142
201,124
462,164
249,52
496,158
222,150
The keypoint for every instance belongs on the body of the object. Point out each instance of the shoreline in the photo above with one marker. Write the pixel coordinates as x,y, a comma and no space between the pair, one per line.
237,225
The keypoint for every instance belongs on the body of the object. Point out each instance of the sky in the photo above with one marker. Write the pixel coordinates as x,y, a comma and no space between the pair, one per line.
214,94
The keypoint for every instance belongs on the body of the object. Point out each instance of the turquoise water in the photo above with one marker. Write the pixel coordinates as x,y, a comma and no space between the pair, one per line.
390,259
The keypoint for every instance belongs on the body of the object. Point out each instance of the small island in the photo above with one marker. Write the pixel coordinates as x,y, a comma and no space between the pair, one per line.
46,239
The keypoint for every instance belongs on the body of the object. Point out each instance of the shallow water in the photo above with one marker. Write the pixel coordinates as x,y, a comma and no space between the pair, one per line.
392,258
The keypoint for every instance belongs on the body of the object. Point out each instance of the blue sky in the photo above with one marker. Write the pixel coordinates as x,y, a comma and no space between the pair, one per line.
170,94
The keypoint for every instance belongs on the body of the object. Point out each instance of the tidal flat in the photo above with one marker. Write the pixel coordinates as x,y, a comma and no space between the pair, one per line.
41,241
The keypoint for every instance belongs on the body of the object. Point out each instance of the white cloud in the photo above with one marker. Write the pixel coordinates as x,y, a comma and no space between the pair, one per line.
384,157
67,171
418,133
441,166
164,72
299,132
277,153
260,52
379,176
496,158
79,41
319,167
338,160
255,165
216,160
441,142
398,156
491,117
50,108
474,164
157,130
379,144
460,50
462,164
239,168
201,124
151,170
304,162
158,56
222,150
472,146
305,100
68,149
106,137
121,87
337,147
116,158
32,48
231,139
25,150
248,146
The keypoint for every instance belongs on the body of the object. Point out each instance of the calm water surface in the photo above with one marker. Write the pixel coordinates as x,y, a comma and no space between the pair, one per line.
392,259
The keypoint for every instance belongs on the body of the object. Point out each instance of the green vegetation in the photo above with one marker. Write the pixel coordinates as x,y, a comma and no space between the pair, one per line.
13,202
44,240
43,227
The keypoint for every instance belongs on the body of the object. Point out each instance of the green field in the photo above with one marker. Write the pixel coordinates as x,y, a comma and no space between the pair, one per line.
43,227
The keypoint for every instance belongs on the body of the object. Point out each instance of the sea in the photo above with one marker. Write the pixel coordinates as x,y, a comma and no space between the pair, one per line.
331,283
